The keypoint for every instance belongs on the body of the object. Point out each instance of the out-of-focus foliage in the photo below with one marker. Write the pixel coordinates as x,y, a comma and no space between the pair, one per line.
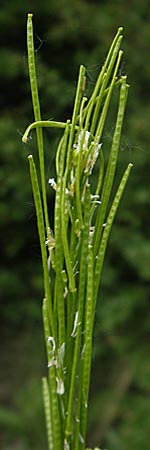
68,34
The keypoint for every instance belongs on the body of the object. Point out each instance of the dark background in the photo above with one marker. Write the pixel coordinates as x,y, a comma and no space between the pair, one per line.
68,33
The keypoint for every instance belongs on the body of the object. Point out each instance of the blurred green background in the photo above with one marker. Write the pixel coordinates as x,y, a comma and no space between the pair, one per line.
68,33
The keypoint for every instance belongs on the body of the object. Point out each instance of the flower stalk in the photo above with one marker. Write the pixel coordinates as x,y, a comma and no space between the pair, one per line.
73,253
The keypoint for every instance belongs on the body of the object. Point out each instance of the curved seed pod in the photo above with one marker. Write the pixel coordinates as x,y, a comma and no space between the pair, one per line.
42,124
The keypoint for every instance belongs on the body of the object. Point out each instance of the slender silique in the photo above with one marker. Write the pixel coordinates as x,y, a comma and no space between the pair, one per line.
73,252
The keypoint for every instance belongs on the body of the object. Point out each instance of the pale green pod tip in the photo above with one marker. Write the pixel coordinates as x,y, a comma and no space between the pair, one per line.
124,77
30,15
24,139
121,52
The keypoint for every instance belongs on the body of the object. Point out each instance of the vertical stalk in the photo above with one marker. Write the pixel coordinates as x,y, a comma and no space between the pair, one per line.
79,244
